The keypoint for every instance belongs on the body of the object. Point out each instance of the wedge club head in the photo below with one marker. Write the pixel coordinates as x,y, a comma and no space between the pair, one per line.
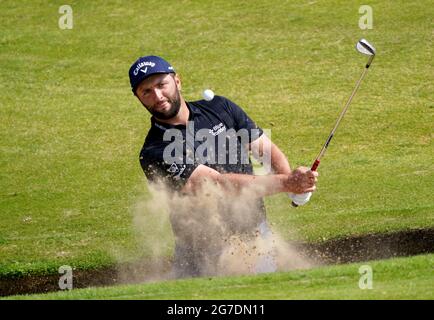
364,47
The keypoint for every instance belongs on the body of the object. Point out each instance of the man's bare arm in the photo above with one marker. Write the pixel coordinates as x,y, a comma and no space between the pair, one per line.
264,149
300,180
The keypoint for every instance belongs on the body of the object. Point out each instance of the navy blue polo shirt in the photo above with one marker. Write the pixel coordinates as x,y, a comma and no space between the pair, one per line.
217,135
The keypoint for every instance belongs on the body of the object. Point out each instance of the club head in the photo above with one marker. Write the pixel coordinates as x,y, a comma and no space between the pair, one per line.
365,47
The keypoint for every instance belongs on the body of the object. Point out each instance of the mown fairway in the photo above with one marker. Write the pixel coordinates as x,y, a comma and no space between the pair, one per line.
71,129
403,278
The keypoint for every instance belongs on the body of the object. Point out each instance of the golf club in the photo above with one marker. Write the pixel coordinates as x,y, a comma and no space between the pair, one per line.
365,48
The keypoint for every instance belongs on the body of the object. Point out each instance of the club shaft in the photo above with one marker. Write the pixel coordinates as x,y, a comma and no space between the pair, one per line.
324,148
326,144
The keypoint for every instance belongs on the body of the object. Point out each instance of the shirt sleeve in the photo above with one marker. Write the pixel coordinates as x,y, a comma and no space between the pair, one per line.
242,122
174,175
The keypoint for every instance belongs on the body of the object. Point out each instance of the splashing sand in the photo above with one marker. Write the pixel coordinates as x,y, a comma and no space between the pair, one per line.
221,229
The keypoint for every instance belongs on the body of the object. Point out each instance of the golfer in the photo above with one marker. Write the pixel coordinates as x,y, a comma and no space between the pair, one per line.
190,144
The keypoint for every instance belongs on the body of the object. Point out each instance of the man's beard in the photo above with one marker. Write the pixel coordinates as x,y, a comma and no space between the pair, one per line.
175,105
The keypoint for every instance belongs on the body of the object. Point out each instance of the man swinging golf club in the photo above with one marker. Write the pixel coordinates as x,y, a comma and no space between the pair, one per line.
186,170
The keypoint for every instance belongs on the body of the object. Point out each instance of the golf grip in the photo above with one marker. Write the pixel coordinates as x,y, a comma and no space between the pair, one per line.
315,165
313,168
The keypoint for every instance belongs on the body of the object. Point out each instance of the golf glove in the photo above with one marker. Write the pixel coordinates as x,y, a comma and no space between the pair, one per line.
300,199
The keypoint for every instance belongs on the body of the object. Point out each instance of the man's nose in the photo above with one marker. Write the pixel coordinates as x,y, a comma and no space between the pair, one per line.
158,94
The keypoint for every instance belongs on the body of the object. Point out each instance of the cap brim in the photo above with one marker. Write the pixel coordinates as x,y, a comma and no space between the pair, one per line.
146,76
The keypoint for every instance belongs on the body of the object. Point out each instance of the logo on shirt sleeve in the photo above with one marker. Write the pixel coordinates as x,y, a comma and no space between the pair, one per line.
176,170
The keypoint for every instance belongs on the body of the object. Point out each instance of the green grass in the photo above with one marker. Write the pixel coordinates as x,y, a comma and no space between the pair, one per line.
71,129
403,278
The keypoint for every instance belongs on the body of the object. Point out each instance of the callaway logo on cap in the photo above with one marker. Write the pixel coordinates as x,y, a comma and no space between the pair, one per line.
147,66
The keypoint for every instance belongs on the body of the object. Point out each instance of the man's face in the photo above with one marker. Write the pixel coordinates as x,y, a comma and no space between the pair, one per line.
159,94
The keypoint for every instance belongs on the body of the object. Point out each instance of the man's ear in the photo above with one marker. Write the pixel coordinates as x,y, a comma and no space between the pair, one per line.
177,81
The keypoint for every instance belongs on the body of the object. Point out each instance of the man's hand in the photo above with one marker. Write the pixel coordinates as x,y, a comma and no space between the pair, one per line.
301,180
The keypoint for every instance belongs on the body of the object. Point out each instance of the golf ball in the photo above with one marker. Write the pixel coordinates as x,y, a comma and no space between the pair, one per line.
208,94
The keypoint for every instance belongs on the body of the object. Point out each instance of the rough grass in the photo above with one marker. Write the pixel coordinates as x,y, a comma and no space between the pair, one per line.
71,129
